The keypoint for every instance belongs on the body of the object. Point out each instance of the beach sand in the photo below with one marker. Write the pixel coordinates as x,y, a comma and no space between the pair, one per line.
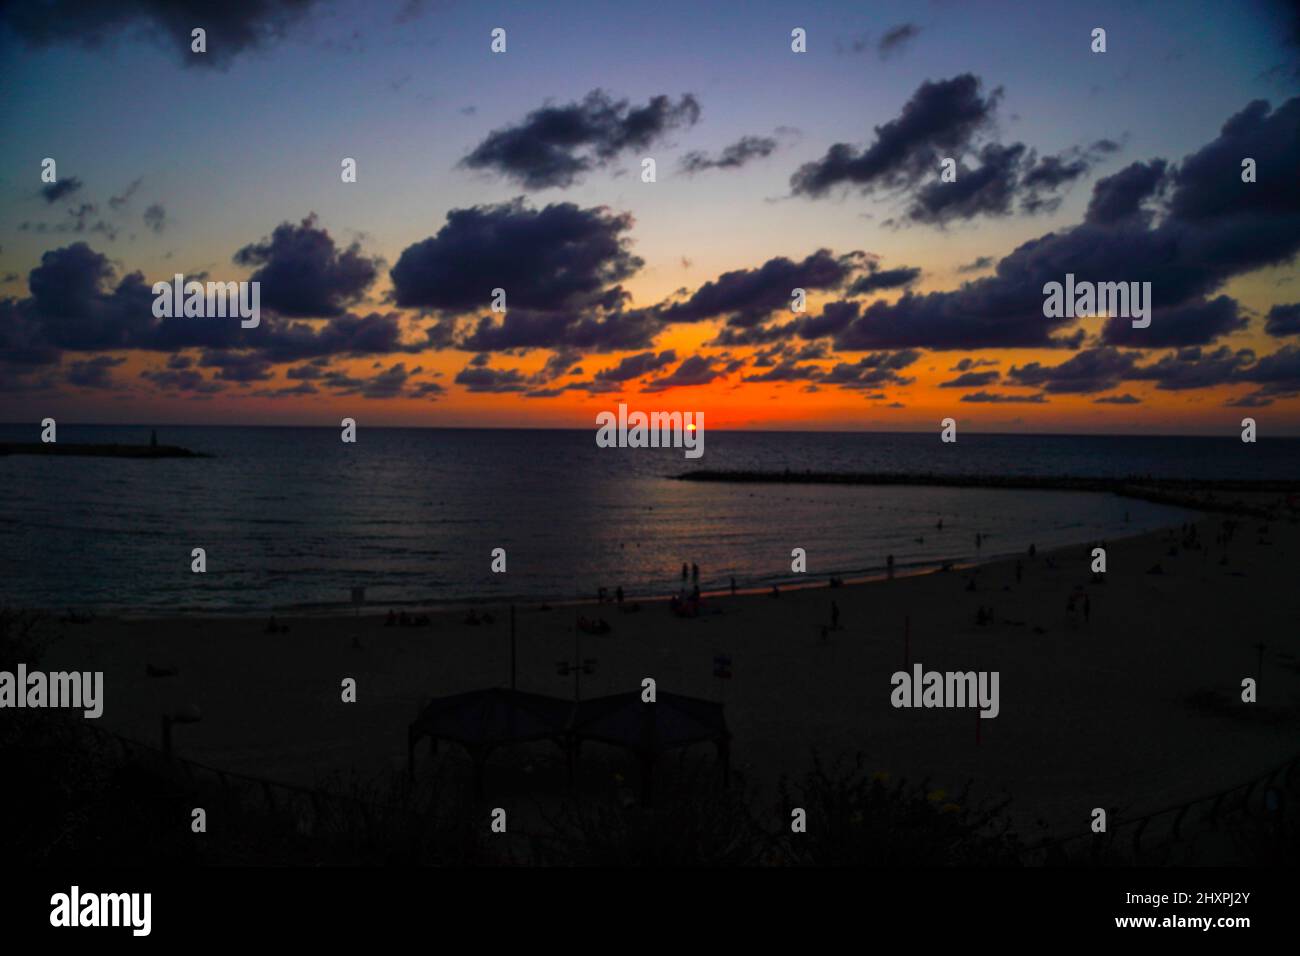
1096,713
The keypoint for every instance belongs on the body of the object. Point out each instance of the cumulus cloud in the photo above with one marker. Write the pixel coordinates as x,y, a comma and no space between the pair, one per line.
555,258
232,26
946,119
1215,228
93,373
744,150
749,296
1283,320
696,370
53,192
303,274
555,146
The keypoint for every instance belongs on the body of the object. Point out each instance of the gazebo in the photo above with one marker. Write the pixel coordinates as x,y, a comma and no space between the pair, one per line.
649,730
483,720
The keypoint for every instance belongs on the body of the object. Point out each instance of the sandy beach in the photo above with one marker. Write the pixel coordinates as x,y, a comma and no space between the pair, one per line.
1164,652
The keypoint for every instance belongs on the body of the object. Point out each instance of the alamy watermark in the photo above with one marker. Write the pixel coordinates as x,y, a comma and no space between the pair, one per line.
196,299
923,688
655,430
75,689
1127,300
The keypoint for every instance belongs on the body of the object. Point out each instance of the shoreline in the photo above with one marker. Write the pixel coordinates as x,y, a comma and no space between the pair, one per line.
1192,493
1135,707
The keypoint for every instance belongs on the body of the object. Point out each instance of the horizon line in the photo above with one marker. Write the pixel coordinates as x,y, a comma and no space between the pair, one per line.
737,431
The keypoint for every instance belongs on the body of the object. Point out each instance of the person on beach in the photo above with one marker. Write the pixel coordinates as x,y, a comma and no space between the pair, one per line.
733,585
695,573
684,573
978,540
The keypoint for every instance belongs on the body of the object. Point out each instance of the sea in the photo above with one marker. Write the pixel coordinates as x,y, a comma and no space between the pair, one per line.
293,519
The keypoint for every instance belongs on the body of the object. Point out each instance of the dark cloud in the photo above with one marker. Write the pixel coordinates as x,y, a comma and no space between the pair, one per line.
431,390
748,296
635,366
1277,374
117,202
1001,398
182,380
528,329
971,380
1125,399
1198,322
93,373
232,26
483,379
556,145
155,217
1227,229
939,120
55,191
75,304
1120,196
788,371
878,279
1093,370
241,367
966,364
1283,320
304,275
1191,368
978,265
696,370
559,257
390,383
896,39
872,371
744,150
943,120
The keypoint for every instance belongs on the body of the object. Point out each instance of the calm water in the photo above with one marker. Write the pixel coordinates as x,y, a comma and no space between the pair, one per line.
292,517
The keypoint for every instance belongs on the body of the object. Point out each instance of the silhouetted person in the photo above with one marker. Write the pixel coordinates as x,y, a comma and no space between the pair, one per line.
684,572
695,573
978,540
1033,550
153,438
733,585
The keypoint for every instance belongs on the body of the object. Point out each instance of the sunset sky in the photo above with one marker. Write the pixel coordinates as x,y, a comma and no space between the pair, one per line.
775,170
